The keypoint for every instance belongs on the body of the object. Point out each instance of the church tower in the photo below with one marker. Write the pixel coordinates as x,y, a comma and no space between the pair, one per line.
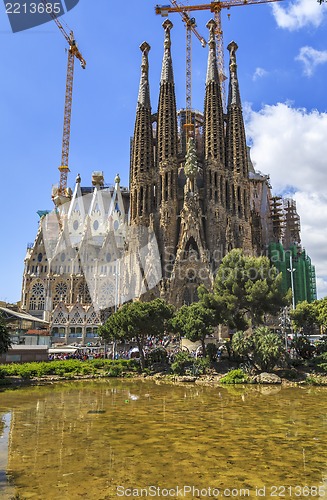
214,157
238,234
142,160
166,158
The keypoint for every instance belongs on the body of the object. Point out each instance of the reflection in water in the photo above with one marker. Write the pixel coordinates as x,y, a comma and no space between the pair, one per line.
5,490
84,440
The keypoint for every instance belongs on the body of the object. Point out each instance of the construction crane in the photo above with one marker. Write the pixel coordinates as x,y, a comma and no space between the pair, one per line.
73,52
216,8
190,25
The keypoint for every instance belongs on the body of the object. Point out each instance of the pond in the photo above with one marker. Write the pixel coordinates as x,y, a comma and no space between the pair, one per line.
129,438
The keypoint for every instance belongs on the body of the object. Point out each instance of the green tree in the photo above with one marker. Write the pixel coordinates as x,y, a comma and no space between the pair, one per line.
320,307
138,320
195,322
5,341
262,348
249,287
305,318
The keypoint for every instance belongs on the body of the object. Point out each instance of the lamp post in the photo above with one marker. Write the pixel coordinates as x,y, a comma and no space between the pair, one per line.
291,270
117,276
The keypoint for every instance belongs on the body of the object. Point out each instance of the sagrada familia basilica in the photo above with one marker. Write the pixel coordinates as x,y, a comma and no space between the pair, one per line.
192,198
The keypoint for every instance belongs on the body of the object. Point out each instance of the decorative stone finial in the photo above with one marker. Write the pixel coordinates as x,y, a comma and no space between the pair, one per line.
232,48
144,92
211,25
145,48
167,26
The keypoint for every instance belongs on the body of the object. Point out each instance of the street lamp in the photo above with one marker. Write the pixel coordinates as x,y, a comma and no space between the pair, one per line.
117,276
291,270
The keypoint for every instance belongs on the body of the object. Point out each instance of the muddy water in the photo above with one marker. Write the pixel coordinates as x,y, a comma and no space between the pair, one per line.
127,439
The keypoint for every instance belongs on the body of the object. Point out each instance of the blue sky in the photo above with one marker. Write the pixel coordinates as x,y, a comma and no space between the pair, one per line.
282,68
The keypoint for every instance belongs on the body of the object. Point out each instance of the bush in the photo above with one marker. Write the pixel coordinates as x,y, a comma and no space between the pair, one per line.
234,377
201,365
303,347
115,371
69,368
182,362
157,355
262,348
212,350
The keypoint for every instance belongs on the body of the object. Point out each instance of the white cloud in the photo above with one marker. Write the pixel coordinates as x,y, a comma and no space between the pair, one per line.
290,144
311,58
298,14
259,73
322,287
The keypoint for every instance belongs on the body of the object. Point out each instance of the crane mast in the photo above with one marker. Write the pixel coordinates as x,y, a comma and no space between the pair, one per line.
64,169
61,192
215,7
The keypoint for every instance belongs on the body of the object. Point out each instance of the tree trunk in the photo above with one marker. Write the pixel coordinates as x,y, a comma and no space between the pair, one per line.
203,347
140,347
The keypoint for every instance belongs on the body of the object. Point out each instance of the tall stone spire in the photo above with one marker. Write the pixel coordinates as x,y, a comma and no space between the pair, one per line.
239,228
236,151
214,155
167,115
142,158
166,156
213,109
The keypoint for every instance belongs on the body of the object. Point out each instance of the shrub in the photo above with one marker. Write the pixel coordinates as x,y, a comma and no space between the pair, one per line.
262,348
115,371
234,377
157,355
201,365
303,347
182,362
212,350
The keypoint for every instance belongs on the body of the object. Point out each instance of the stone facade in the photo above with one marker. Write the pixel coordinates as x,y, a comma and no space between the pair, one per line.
193,196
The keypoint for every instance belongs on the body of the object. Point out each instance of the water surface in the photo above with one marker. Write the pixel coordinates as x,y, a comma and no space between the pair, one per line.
102,440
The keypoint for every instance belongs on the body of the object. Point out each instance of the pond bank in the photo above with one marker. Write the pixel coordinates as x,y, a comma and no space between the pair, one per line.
212,379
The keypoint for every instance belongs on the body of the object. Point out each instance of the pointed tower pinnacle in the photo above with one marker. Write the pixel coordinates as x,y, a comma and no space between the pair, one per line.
234,92
236,150
144,90
212,69
239,233
167,74
213,109
142,157
167,115
167,155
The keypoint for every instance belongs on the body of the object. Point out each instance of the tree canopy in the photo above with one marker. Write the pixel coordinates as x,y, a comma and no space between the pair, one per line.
245,289
5,341
195,322
138,320
307,317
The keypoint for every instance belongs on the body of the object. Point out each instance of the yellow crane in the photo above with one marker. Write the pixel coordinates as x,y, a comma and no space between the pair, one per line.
190,25
215,7
72,53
